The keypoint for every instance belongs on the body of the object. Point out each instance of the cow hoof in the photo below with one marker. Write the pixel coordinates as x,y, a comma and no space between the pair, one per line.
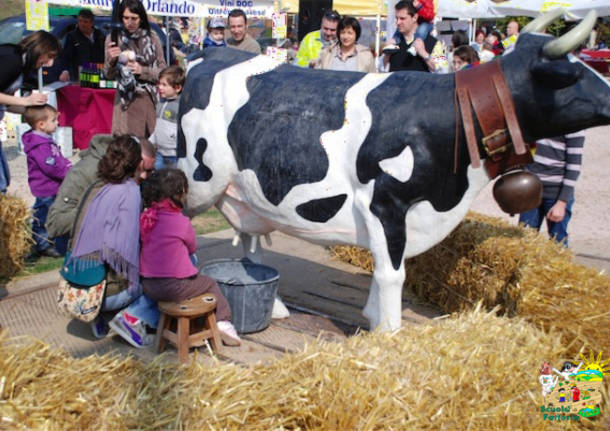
279,309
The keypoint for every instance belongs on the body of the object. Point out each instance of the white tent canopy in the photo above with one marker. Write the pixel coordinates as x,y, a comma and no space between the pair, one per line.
464,9
576,9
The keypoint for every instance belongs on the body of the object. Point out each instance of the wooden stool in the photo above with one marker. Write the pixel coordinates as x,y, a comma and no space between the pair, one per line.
185,335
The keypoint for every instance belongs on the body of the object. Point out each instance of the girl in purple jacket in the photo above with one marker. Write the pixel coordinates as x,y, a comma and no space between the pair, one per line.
167,240
47,168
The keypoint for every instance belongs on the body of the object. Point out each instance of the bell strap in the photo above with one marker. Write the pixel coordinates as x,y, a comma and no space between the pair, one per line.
484,90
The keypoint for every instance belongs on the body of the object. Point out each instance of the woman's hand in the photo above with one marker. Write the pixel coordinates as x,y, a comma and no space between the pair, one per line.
113,51
34,99
135,67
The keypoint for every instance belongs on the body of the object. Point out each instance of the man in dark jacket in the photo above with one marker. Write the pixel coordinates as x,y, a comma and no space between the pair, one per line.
84,44
411,53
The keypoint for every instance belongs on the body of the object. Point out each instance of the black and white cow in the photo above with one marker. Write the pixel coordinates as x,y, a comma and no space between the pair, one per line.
364,159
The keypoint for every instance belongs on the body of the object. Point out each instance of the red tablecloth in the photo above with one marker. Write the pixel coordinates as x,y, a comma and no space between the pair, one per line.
87,110
598,60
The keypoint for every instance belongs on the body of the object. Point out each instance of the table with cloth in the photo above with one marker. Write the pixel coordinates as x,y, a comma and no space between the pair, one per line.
597,59
87,110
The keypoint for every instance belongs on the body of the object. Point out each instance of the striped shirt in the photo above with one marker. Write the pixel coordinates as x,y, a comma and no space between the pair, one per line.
557,163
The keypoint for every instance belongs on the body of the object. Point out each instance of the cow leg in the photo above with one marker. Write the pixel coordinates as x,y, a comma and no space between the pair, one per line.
384,305
279,309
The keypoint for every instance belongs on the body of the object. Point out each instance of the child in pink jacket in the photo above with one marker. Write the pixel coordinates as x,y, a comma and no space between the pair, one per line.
167,240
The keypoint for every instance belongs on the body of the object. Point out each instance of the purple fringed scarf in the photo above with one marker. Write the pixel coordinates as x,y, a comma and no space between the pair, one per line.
110,230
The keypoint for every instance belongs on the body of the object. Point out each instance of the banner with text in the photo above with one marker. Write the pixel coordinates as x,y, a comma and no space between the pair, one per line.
36,15
189,8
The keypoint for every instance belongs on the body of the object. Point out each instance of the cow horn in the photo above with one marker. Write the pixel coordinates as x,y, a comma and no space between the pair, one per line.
542,22
572,39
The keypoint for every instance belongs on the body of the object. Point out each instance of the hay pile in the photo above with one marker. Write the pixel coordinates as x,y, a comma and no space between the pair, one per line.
475,371
524,273
15,235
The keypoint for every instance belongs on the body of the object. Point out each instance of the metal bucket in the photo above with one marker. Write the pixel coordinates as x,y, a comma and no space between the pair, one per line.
250,289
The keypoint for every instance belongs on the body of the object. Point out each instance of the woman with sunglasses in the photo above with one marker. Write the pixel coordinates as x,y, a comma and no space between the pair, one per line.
19,62
347,54
138,54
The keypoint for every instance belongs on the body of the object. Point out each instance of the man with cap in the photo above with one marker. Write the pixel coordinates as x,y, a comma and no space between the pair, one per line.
216,33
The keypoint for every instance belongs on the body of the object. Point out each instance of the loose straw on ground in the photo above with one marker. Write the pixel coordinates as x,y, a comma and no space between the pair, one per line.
474,371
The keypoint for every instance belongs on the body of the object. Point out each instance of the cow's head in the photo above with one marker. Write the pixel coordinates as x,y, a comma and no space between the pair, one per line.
554,92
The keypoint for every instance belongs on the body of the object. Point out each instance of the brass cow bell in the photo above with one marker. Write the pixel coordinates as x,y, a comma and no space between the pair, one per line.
517,192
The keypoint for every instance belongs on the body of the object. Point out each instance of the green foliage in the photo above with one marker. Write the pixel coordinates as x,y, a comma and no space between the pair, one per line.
557,27
42,264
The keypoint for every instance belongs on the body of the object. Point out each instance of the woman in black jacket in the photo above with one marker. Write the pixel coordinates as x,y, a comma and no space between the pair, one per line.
18,61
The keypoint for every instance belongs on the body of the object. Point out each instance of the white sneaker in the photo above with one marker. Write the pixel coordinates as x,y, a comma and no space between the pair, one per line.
228,334
131,330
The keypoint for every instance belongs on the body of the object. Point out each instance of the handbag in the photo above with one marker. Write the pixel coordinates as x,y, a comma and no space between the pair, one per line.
82,285
81,273
82,303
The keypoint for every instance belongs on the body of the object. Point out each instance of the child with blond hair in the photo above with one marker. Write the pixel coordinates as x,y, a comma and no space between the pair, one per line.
47,168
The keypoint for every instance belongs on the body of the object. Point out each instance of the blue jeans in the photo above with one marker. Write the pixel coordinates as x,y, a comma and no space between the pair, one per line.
162,162
5,175
41,210
422,32
557,230
138,305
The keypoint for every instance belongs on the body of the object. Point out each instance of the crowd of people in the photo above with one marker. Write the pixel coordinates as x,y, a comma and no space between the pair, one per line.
121,204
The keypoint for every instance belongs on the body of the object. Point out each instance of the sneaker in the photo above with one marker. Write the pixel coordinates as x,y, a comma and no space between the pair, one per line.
391,49
228,334
131,329
99,327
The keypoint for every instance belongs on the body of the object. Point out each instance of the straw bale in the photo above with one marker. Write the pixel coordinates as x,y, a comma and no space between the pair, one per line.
523,272
15,235
475,371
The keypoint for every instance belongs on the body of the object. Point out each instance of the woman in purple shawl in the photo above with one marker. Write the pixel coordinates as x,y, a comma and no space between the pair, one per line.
109,230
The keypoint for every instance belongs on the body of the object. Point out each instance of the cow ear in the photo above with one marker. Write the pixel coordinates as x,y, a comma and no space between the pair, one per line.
556,74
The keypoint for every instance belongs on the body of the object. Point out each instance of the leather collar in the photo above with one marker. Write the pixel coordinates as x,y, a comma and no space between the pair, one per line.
483,89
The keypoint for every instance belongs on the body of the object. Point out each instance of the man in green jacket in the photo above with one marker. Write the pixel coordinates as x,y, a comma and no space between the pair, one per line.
62,213
313,42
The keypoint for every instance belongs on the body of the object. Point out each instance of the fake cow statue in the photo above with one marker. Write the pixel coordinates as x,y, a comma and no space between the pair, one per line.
370,159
